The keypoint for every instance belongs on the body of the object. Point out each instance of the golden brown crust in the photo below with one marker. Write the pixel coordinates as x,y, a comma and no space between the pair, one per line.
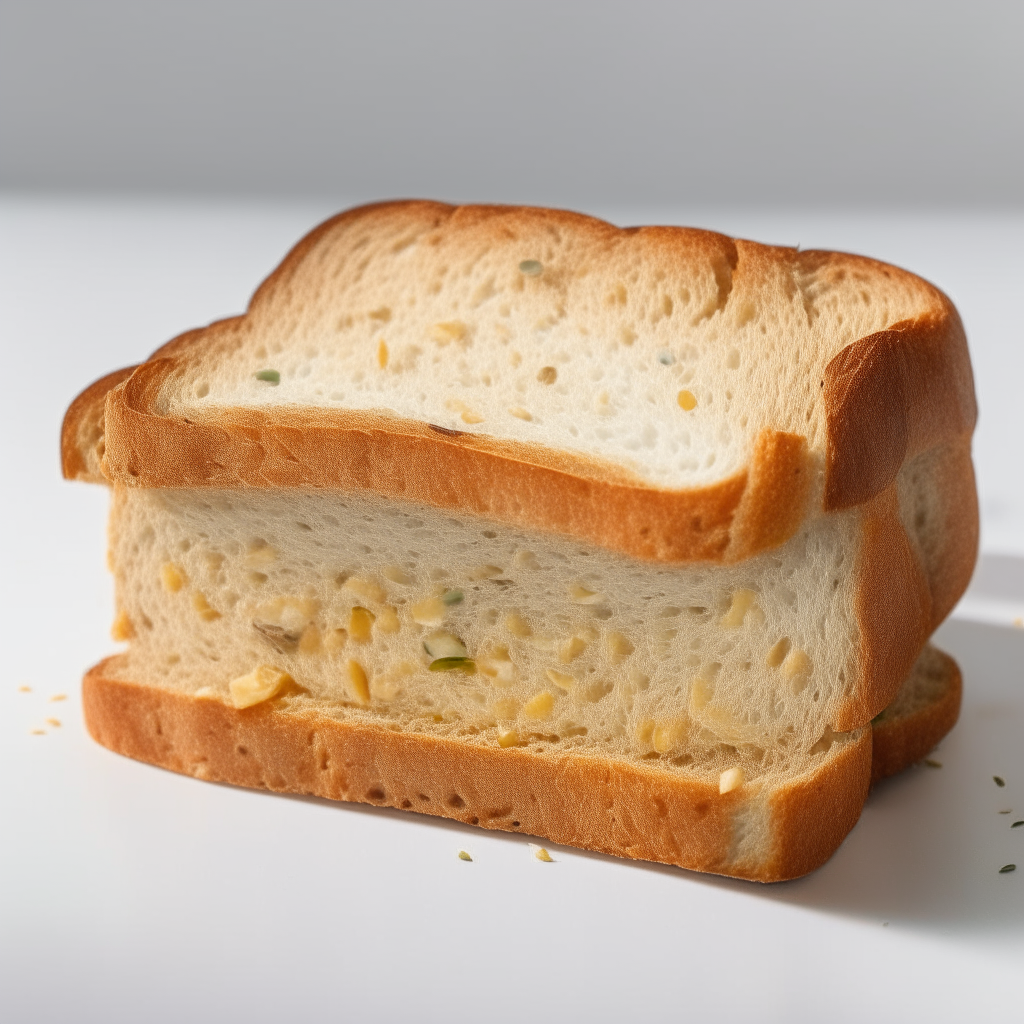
813,815
81,434
901,741
613,807
950,565
894,611
527,485
890,396
881,395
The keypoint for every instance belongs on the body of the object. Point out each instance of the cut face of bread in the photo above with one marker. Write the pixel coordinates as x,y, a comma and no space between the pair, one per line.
766,829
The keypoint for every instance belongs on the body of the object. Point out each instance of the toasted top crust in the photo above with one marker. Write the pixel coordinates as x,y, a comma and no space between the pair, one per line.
819,401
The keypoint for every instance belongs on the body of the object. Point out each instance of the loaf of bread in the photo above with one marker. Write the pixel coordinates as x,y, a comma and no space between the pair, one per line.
619,537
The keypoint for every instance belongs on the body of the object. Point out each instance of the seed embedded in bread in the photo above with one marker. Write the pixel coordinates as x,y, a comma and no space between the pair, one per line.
730,779
263,683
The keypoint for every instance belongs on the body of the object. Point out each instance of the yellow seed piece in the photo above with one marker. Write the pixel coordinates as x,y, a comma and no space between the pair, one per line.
541,854
397,574
264,682
701,692
310,642
497,666
449,331
464,856
429,612
510,738
172,577
572,650
359,624
742,602
290,613
382,314
547,375
730,779
540,706
387,620
686,400
202,607
777,655
581,595
517,625
260,553
122,629
797,669
55,722
619,647
382,354
560,679
667,735
365,590
520,413
358,684
486,572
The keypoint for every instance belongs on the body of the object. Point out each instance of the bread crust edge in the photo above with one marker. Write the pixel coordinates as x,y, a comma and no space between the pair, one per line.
611,807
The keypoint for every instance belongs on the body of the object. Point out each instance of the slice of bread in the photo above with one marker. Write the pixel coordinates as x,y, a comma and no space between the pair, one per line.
666,392
925,709
650,510
643,808
652,314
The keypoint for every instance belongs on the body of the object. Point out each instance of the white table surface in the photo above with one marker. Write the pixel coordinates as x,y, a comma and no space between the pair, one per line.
131,894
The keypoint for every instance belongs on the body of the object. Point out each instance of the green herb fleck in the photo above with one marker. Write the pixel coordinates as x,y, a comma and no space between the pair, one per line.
932,764
531,268
270,376
467,665
464,856
452,596
1017,824
1007,868
999,781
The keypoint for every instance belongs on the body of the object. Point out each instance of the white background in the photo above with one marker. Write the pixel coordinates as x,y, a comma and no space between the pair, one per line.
156,160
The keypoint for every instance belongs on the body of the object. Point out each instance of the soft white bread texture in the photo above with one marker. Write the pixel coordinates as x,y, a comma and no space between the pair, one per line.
519,483
641,808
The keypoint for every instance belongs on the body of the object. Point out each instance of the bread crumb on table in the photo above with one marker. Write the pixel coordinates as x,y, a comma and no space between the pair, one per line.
38,732
541,854
24,689
58,697
464,856
55,722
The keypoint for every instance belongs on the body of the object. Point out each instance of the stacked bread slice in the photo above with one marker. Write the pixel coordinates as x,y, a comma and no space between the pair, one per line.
618,537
